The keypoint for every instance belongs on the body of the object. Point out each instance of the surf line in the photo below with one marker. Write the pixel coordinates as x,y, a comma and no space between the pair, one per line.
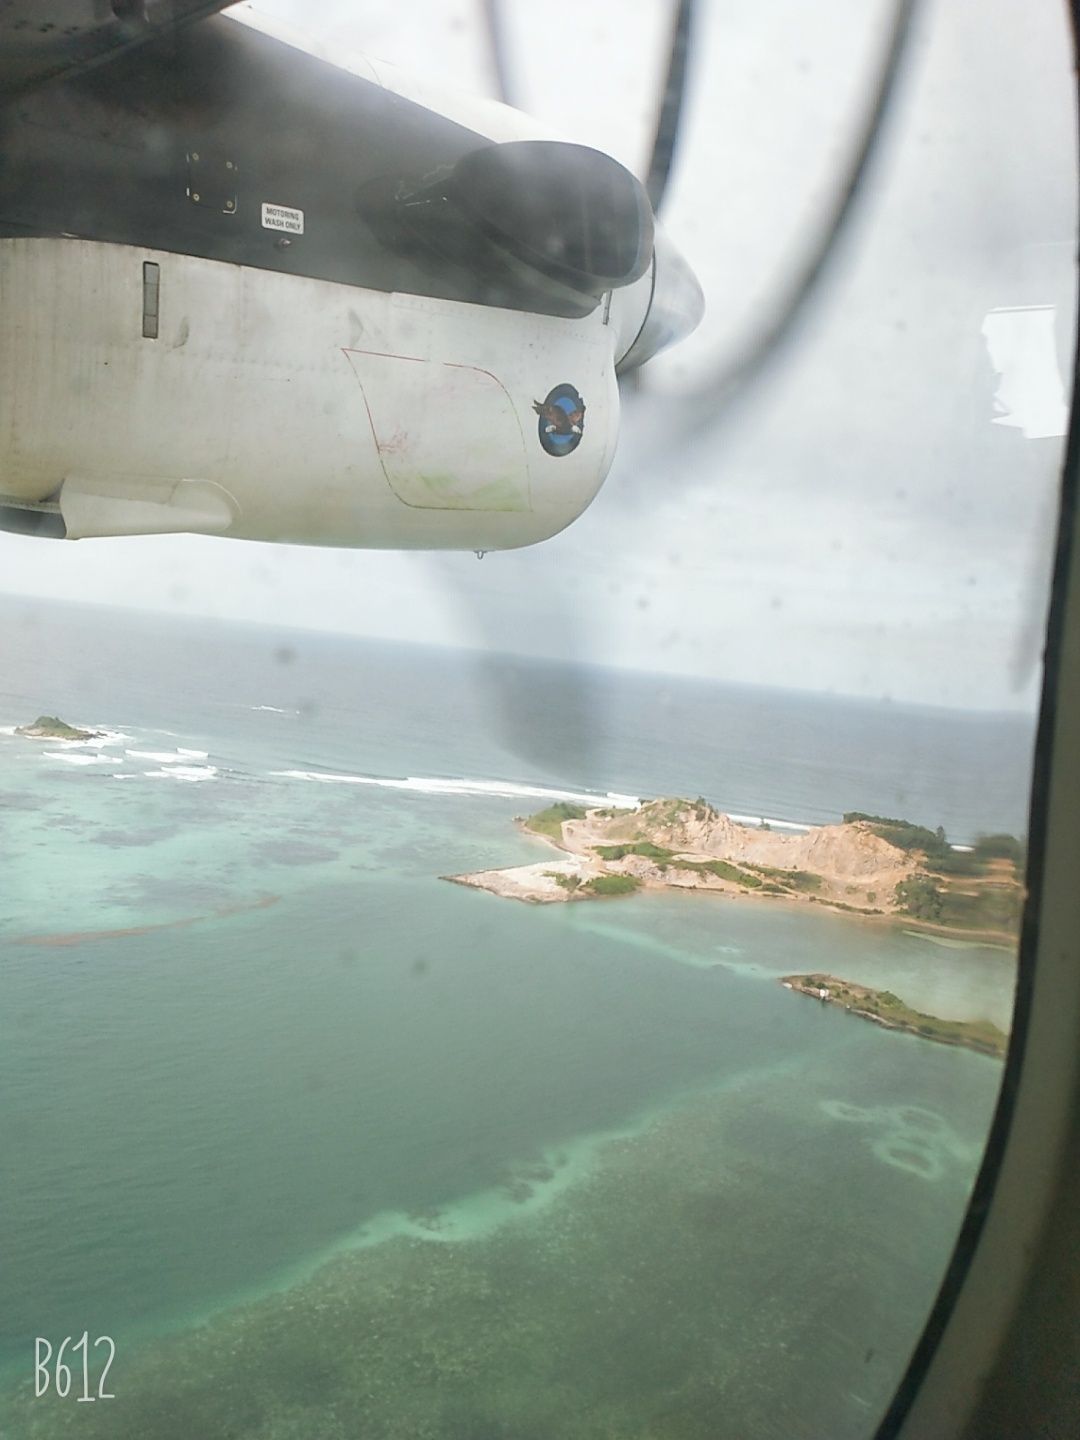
81,937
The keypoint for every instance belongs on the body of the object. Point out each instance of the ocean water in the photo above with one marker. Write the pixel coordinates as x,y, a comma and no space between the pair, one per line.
330,1147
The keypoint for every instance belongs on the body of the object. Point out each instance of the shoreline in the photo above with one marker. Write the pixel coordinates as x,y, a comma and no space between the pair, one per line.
999,940
883,1008
867,870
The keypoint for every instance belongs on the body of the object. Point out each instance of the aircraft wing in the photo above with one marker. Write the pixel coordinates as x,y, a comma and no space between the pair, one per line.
42,40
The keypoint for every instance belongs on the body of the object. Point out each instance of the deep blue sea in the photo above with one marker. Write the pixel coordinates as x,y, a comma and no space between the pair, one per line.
329,1147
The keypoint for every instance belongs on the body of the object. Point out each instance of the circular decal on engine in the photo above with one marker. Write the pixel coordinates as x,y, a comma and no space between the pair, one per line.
562,420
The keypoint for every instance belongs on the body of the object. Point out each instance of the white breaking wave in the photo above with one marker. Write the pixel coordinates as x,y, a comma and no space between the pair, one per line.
274,709
503,789
101,739
107,737
182,772
167,757
762,820
77,759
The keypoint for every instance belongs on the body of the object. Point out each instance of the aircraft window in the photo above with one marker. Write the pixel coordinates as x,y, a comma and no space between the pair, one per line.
568,994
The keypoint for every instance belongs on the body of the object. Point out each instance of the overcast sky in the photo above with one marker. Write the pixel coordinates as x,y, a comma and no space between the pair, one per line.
875,517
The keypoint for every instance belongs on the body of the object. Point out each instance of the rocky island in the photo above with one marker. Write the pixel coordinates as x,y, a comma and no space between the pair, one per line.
868,865
885,1008
48,727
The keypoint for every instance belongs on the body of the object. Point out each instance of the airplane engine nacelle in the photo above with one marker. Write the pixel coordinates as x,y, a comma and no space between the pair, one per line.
286,408
416,351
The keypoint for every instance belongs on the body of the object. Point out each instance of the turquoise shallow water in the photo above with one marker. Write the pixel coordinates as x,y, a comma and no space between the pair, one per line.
273,1090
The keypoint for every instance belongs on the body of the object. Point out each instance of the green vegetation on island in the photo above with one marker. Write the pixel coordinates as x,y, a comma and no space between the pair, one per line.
669,860
935,847
49,727
611,885
581,886
659,853
569,883
722,870
887,1009
977,888
902,833
974,890
549,822
788,879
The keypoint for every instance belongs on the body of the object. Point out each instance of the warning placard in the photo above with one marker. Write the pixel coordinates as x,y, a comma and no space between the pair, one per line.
283,217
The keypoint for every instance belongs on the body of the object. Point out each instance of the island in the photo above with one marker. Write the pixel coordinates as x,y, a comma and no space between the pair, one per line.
48,727
885,1008
869,866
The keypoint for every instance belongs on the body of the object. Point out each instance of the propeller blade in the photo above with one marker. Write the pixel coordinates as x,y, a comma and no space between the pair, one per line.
732,376
547,713
496,37
671,107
